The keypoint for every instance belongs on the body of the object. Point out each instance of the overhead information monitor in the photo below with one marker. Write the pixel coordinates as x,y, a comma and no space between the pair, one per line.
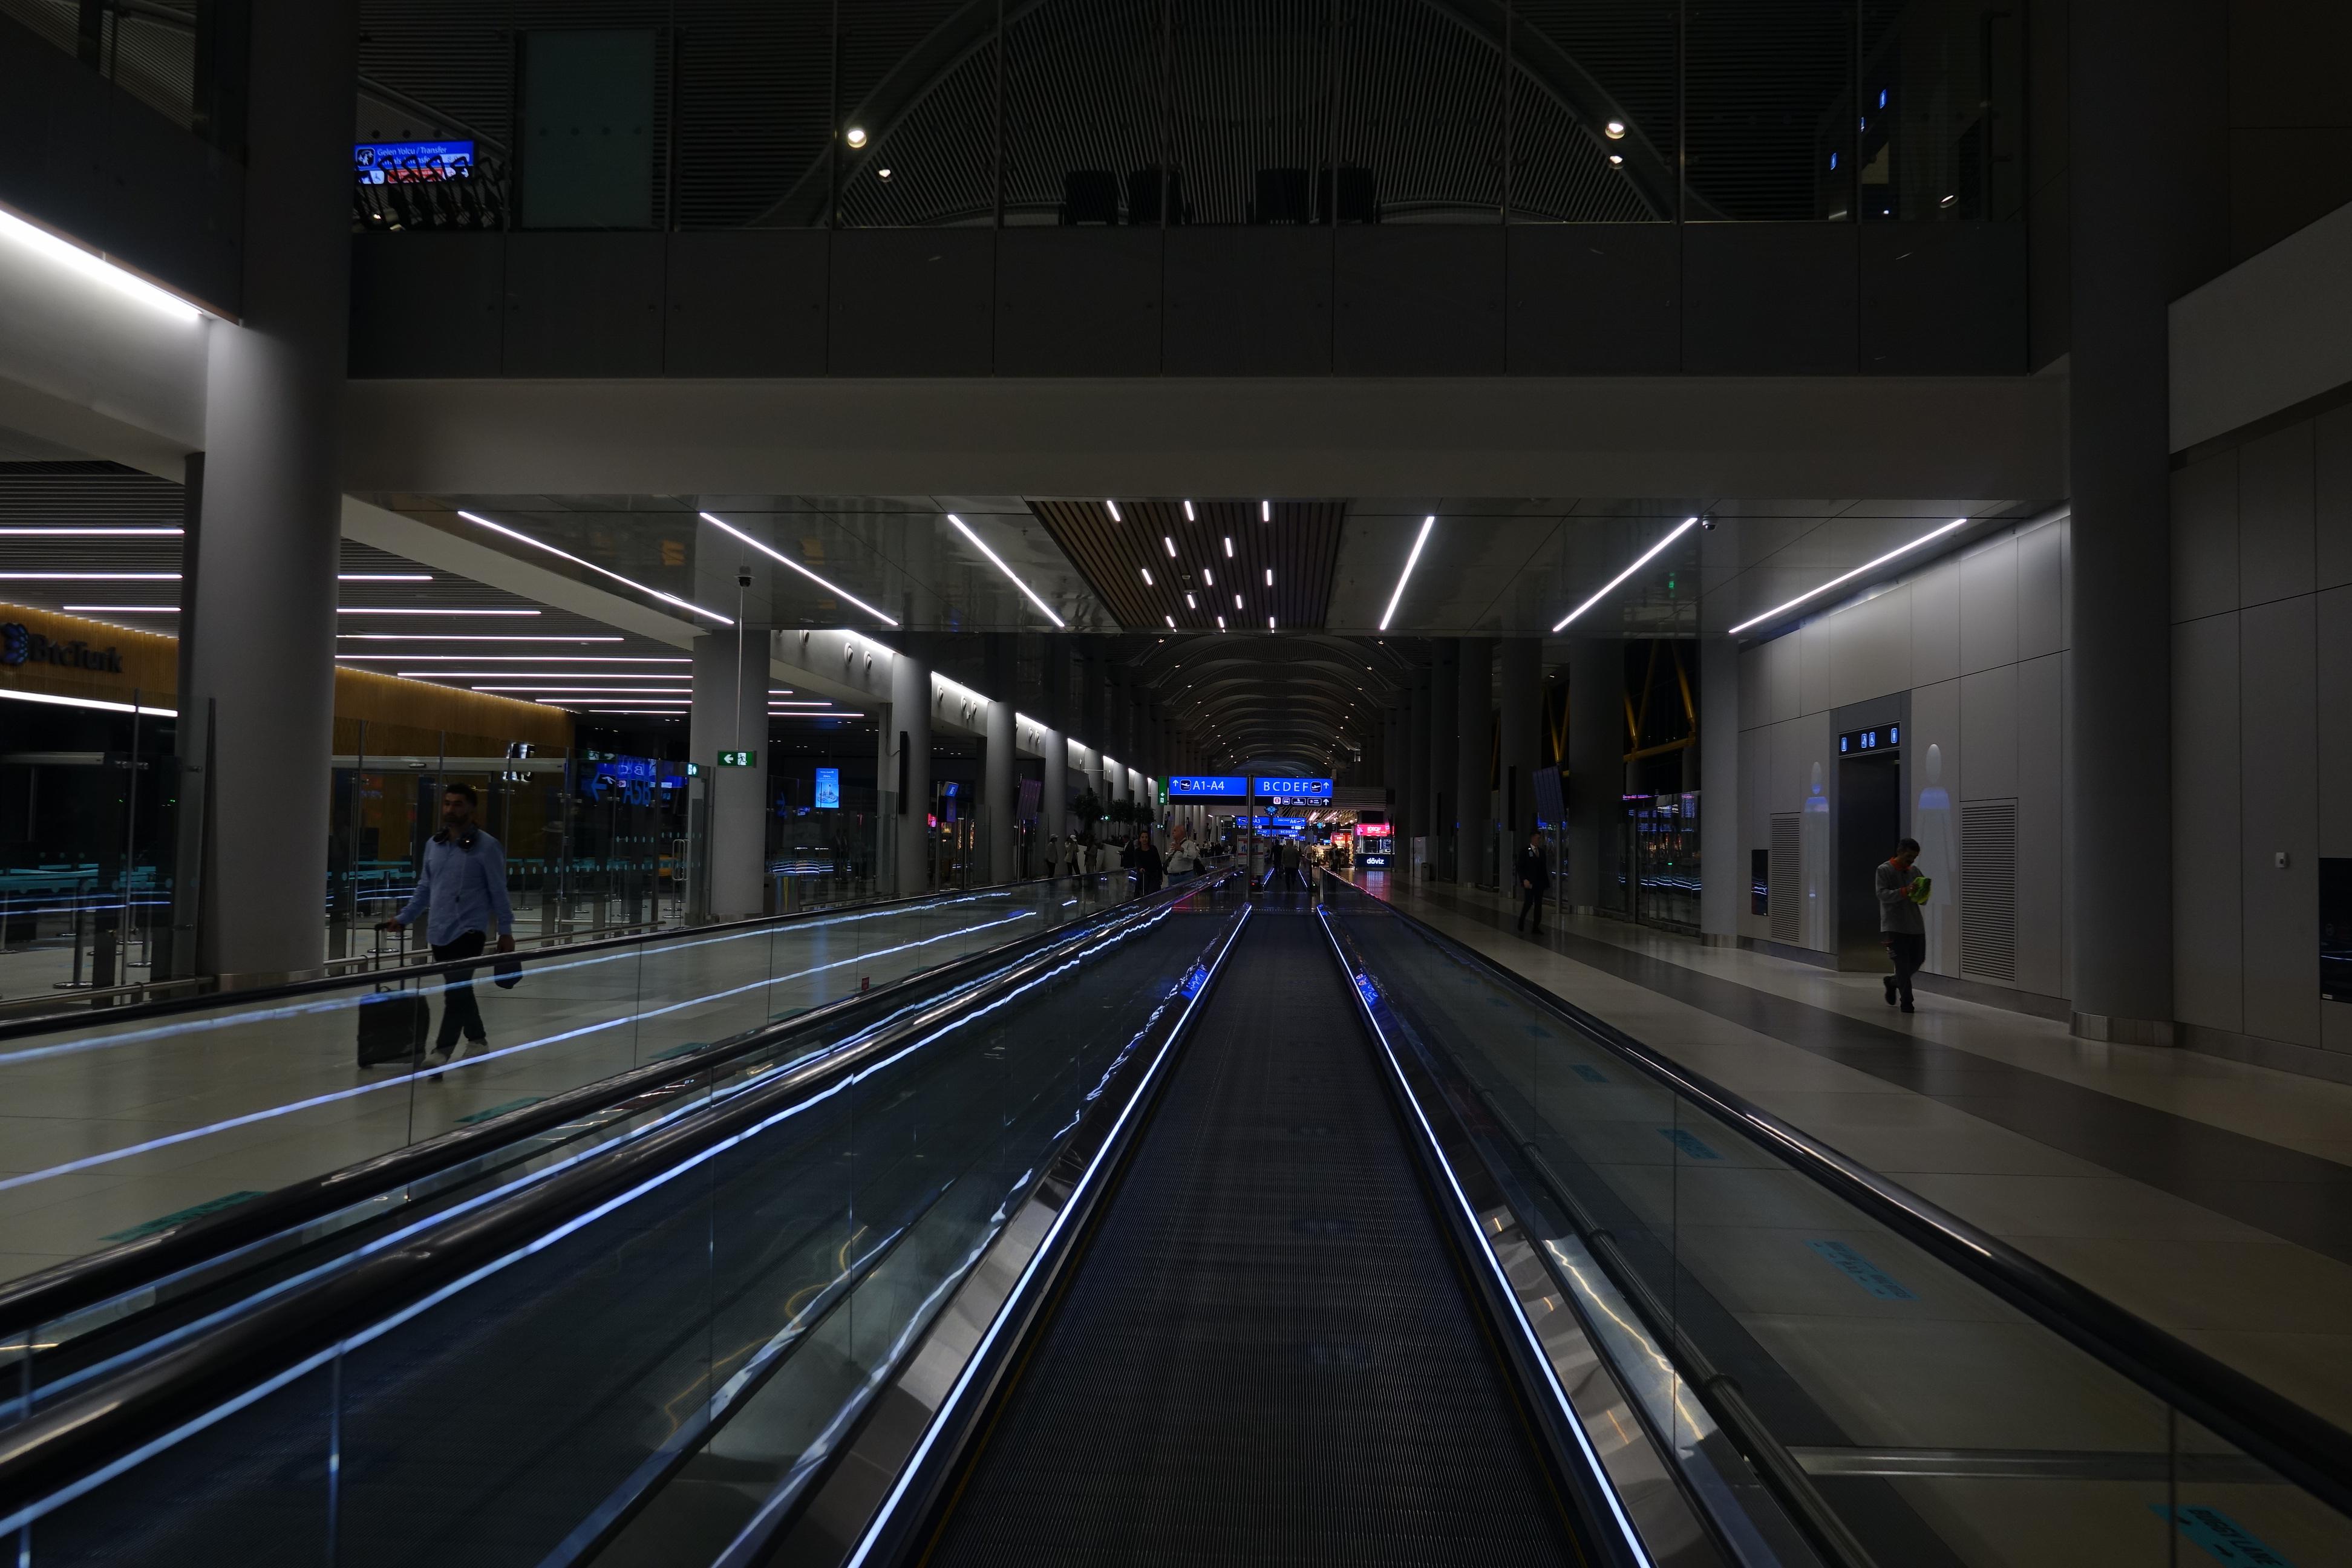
1291,789
1206,786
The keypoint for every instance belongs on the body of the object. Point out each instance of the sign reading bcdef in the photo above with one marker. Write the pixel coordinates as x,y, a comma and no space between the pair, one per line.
21,645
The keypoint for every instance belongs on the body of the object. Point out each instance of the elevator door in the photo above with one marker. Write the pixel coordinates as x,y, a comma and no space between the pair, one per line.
1869,821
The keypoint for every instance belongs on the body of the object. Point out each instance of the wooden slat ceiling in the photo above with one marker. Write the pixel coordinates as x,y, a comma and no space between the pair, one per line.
1300,547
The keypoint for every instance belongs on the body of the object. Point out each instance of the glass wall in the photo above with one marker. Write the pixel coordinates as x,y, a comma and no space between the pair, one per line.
800,113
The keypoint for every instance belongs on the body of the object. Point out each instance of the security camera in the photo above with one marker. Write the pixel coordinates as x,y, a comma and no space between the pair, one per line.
1706,525
743,576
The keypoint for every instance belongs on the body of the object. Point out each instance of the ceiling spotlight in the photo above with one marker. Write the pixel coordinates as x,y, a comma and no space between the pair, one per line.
1269,622
1237,601
1171,620
1266,511
1147,577
1171,544
1615,130
1221,623
882,174
1189,603
1208,576
1114,511
1615,162
856,136
1269,576
1189,516
1229,548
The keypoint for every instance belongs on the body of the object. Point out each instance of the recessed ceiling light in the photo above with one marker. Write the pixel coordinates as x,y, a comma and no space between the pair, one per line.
1170,543
1114,511
856,136
1615,130
380,576
1266,511
1237,601
1189,603
1171,620
1269,576
1208,576
1147,577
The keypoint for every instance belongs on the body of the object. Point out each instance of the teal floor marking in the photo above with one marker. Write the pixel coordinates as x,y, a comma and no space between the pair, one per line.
1690,1145
2223,1538
500,1110
1590,1075
211,1207
1861,1272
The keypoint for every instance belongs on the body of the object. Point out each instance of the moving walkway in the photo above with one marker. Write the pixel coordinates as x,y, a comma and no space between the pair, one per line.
1213,1227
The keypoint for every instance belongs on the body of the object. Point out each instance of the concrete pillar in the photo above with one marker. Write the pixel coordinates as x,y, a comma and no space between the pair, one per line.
1596,760
1722,840
906,778
261,612
1094,710
1000,799
1474,759
1445,740
2147,184
1522,723
730,815
1415,793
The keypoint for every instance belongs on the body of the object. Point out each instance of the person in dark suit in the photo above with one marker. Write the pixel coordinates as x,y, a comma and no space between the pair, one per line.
1534,878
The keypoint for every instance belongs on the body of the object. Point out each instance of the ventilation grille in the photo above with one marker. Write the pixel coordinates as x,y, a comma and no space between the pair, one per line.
1784,895
1989,889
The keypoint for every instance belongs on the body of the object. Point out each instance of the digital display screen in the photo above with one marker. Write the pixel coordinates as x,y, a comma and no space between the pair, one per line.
1207,786
828,789
411,163
1885,738
1373,830
1292,789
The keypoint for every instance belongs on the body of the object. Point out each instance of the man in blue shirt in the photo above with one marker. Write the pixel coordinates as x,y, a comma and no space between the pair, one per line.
461,890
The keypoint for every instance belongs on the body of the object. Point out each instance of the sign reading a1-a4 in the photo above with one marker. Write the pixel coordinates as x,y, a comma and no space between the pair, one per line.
1207,786
1291,789
735,760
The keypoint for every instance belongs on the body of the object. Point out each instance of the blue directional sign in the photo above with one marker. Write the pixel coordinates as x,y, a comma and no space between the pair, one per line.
1207,786
1291,789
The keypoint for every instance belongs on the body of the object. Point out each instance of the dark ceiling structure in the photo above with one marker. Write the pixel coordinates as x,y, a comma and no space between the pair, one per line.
1204,566
1310,698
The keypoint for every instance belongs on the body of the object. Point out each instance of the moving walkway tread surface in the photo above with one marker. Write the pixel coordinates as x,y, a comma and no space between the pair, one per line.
1267,1352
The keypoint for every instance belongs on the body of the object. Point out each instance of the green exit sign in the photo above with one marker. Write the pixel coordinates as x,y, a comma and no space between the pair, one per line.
734,759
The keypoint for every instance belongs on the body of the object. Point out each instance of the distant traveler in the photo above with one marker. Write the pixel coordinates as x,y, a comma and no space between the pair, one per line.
1534,878
1287,864
462,888
1150,869
1900,889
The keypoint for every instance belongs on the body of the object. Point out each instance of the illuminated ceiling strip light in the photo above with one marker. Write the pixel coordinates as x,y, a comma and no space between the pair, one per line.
381,610
1849,576
997,563
123,609
1189,516
782,560
88,532
1266,511
1642,560
1147,577
540,674
576,561
1406,575
1171,620
54,699
468,636
95,268
1114,511
91,576
380,576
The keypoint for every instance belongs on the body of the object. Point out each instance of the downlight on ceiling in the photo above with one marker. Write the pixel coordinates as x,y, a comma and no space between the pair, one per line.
1849,576
782,560
1266,511
1189,516
855,136
1615,130
1641,560
1114,511
576,561
1406,575
997,562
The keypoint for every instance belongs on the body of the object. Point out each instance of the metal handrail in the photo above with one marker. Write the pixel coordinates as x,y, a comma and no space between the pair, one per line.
49,1023
85,1433
2298,1444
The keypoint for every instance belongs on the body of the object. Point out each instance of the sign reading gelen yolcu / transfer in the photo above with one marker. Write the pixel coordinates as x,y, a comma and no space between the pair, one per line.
1207,786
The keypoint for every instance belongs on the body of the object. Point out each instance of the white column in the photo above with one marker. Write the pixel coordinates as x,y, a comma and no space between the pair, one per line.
731,714
1722,852
998,796
908,738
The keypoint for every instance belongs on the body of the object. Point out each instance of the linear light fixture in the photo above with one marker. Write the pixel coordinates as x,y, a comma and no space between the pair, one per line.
1269,622
89,533
1849,576
1191,603
1171,620
542,544
998,561
379,576
1229,547
95,268
54,700
1147,577
1269,576
474,637
1114,511
91,576
1190,516
122,609
1406,575
784,560
540,674
381,610
1641,560
1266,511
1170,543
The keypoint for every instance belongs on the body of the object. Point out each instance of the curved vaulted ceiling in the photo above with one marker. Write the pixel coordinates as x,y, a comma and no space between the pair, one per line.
1308,698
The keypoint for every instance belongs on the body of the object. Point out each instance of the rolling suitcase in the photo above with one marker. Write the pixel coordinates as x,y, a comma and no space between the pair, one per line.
392,1024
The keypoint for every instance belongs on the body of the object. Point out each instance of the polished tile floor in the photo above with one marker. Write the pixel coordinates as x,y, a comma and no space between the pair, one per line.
2209,1196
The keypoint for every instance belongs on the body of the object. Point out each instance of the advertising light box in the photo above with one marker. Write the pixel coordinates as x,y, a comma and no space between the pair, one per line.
828,789
1206,786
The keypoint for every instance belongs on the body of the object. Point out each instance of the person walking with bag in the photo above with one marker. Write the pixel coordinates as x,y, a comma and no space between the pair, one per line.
1900,929
461,890
1534,878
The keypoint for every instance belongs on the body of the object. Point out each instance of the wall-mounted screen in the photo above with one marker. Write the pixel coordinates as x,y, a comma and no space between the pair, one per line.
828,789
